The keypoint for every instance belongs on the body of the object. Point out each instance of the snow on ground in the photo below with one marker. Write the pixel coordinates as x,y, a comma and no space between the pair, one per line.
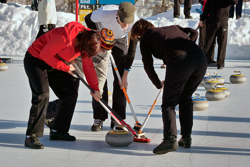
19,27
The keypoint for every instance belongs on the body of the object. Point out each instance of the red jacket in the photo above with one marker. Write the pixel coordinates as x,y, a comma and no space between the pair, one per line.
61,41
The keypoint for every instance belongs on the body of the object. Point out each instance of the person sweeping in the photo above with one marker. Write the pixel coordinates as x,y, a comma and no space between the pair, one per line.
44,69
185,67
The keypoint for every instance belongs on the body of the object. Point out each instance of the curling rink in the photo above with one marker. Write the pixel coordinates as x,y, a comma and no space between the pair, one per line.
220,137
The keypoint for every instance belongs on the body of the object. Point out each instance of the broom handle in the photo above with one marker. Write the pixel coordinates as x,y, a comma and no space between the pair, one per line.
113,114
149,113
123,89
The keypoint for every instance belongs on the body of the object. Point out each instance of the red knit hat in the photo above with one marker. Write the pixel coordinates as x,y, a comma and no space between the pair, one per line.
107,38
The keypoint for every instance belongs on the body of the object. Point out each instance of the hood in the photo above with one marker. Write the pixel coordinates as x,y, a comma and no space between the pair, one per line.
72,29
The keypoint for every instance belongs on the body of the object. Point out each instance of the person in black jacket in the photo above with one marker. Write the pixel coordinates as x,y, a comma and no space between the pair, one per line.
185,68
217,26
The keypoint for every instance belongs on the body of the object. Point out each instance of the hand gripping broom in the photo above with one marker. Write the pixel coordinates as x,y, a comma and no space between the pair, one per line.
114,115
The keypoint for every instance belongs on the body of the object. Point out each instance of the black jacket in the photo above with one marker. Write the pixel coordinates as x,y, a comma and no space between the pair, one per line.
218,10
166,43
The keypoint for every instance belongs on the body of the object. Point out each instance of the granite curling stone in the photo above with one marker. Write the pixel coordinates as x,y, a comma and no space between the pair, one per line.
237,78
118,137
199,104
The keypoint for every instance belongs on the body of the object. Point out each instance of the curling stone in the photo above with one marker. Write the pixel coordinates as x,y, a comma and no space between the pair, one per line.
218,78
237,78
215,94
199,104
210,84
118,137
109,96
205,79
3,66
225,90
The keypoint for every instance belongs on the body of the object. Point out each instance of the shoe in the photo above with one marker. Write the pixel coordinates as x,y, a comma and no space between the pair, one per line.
185,142
238,17
166,146
220,67
176,17
97,126
163,66
212,62
33,142
188,17
48,122
61,136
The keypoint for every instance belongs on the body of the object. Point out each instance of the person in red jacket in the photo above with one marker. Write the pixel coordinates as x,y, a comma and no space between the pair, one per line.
44,69
185,68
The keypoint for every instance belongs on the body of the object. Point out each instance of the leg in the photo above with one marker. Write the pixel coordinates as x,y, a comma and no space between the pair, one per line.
231,11
209,40
40,32
37,75
187,8
238,9
99,111
119,100
202,36
65,87
176,8
222,44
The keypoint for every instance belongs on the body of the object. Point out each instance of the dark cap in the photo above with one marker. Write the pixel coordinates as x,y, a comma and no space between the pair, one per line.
126,12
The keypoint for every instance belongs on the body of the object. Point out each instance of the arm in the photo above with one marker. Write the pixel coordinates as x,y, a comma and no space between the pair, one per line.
193,34
90,24
129,62
148,62
90,74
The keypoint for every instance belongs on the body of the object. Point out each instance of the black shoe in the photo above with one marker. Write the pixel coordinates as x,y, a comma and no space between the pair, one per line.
48,122
97,126
61,136
188,17
212,62
166,146
176,17
33,142
185,142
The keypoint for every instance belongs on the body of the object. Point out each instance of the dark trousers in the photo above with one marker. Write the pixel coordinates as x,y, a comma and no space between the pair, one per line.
43,30
218,30
119,100
238,10
65,86
183,75
187,8
202,37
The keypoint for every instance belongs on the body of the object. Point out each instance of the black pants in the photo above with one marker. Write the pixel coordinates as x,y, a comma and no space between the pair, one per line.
183,75
202,37
43,30
238,9
218,30
119,100
63,85
187,8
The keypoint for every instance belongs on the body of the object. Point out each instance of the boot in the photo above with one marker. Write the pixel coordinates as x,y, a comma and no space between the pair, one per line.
167,145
